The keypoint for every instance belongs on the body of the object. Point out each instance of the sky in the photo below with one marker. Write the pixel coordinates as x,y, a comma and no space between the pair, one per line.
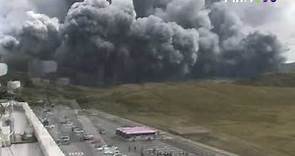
277,18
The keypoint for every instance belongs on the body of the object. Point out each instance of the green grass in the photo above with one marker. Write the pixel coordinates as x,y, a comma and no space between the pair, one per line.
272,79
251,118
248,120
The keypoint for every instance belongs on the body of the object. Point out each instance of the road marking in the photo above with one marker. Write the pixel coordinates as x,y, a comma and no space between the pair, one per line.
76,154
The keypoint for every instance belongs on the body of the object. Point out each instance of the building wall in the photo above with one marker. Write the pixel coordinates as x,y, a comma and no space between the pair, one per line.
137,136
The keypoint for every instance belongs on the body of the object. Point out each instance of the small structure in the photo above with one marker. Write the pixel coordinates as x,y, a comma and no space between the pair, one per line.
40,82
42,68
191,130
3,69
12,85
137,133
63,81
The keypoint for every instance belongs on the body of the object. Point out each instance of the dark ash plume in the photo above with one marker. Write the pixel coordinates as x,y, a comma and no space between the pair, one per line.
163,49
257,53
147,40
224,49
99,36
93,34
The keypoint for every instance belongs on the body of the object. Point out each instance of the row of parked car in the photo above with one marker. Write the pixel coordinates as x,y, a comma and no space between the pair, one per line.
109,150
78,132
65,139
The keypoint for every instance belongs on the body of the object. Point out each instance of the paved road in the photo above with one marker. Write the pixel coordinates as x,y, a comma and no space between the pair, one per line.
90,129
168,142
95,121
130,148
77,147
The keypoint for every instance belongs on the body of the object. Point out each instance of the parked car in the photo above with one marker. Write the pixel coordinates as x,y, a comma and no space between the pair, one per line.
95,141
117,154
101,148
115,147
64,140
108,152
49,126
77,130
68,123
102,131
88,137
45,121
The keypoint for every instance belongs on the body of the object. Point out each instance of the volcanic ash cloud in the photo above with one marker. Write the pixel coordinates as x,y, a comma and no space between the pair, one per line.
147,40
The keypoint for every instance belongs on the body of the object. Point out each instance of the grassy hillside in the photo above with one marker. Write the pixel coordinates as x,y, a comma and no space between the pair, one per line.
287,68
248,120
272,79
252,118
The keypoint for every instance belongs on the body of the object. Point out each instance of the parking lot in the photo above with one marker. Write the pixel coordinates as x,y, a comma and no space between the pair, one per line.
155,147
74,133
93,133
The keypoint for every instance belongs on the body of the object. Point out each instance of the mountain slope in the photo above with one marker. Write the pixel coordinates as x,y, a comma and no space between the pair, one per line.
248,120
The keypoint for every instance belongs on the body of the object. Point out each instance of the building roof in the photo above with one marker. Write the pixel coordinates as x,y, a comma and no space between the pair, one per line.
136,130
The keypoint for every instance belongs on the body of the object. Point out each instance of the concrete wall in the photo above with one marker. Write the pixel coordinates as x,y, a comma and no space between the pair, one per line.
47,144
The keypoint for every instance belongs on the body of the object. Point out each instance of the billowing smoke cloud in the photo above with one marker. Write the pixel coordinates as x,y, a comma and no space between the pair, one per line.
240,54
7,44
22,30
224,49
109,36
165,49
95,34
149,41
39,35
12,14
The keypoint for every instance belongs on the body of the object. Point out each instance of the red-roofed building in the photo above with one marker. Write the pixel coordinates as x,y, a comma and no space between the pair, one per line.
136,132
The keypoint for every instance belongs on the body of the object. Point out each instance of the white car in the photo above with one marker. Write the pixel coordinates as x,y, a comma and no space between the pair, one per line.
103,147
78,130
115,147
69,123
108,152
88,137
64,140
100,148
50,126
